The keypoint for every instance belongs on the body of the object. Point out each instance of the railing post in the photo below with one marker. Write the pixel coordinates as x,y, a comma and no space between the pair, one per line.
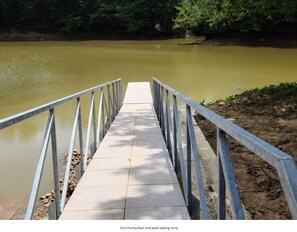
181,161
113,103
176,161
221,183
196,160
80,136
109,107
167,118
69,158
39,169
117,97
228,171
163,115
55,166
100,118
94,122
91,118
189,170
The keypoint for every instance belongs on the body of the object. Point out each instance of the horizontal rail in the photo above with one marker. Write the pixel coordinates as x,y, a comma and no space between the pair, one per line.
282,162
6,122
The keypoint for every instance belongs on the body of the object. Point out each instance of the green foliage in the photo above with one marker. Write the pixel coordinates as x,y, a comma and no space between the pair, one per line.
273,92
215,16
91,16
149,16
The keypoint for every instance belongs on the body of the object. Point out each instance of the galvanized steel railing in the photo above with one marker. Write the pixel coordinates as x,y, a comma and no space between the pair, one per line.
170,124
108,109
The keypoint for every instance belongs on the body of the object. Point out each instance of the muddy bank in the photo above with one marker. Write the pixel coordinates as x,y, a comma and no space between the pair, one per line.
271,116
104,35
274,42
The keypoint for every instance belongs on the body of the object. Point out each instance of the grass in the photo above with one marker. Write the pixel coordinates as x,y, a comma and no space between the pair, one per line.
273,92
281,98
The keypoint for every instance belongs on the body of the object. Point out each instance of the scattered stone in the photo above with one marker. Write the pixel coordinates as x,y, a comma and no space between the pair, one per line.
231,119
41,210
45,201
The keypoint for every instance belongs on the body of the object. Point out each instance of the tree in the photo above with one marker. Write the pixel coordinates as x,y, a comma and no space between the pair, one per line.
244,16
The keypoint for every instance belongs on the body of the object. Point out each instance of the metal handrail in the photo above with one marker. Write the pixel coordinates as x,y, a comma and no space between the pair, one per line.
111,107
282,162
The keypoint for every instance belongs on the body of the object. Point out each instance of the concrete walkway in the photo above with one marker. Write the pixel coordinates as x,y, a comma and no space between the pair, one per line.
131,176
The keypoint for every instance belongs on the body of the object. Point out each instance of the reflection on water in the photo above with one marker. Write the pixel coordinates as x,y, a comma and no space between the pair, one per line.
36,73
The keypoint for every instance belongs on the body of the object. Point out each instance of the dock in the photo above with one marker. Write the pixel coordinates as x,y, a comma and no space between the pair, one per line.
131,176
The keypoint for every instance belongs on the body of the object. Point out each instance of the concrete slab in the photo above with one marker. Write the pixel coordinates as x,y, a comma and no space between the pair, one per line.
138,92
112,197
150,162
154,196
157,213
109,164
107,214
159,175
122,139
149,147
101,178
114,148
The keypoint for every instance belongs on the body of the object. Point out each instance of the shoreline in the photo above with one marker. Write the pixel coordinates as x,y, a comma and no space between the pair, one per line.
268,41
274,42
39,37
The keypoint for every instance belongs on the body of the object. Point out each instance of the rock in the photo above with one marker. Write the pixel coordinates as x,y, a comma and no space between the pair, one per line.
48,195
231,119
47,205
222,103
42,197
45,201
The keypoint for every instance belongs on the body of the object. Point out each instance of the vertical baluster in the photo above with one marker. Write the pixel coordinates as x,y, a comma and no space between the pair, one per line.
170,129
100,119
80,137
164,125
55,166
161,119
105,121
167,125
39,169
176,161
117,97
228,171
89,131
221,184
121,93
189,170
94,123
198,171
113,103
109,107
69,158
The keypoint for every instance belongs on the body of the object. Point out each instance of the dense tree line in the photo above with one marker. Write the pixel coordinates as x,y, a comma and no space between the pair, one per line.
76,16
145,16
238,16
